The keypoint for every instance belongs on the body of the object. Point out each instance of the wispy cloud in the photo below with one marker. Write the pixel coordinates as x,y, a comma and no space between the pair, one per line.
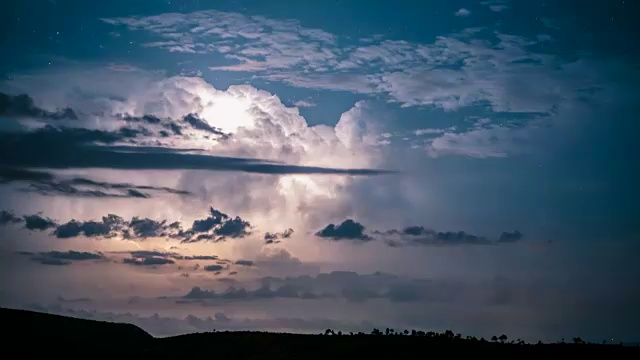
496,5
457,70
47,183
463,12
304,103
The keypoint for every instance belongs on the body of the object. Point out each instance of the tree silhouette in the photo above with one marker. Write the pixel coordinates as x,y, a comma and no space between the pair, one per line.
503,338
494,338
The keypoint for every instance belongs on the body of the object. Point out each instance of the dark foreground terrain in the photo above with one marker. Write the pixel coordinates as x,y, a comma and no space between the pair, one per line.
30,332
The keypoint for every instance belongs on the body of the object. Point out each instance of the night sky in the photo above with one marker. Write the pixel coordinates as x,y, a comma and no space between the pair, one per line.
294,166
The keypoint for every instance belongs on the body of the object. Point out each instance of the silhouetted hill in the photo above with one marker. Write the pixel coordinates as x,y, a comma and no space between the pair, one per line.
32,332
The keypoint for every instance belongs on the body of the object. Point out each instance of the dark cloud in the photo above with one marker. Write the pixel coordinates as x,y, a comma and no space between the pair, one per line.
150,258
148,261
233,293
59,189
414,230
213,268
233,228
77,148
273,238
349,230
15,174
143,228
7,217
199,257
447,238
412,235
23,106
137,194
217,226
62,257
149,119
107,185
510,237
72,255
37,222
197,293
201,237
169,255
50,261
244,262
199,124
175,126
46,183
210,222
147,253
105,228
177,130
419,235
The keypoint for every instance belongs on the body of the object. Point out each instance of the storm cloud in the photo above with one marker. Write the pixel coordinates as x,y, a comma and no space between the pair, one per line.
38,222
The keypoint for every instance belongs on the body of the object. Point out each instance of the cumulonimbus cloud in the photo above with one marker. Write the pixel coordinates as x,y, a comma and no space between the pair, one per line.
137,122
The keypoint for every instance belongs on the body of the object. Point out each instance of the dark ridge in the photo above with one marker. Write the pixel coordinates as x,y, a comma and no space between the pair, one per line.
29,332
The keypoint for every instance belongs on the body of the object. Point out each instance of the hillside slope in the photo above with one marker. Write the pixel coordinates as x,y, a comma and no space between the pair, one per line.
33,331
